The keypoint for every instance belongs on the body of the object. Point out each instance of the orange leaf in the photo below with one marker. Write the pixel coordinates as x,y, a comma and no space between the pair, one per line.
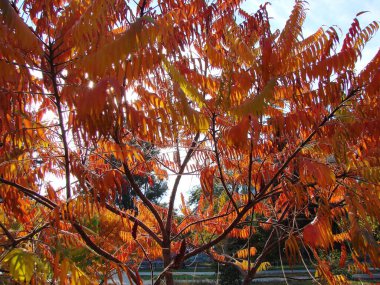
207,182
237,135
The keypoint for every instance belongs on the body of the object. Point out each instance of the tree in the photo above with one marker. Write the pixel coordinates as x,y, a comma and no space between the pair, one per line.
285,124
153,188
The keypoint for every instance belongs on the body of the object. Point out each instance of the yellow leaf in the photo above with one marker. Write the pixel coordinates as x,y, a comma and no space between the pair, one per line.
189,90
263,266
21,264
78,276
244,265
243,253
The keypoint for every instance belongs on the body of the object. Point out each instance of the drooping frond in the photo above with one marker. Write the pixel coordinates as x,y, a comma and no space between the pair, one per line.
16,25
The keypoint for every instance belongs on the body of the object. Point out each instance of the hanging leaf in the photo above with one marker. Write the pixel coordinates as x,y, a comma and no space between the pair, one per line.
25,36
292,250
22,264
243,253
263,266
237,136
190,91
207,182
318,233
119,49
256,104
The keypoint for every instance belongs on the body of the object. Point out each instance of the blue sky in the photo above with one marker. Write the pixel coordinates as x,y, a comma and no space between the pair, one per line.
326,13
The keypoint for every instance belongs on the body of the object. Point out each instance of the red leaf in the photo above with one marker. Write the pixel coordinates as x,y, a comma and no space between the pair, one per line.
150,181
318,233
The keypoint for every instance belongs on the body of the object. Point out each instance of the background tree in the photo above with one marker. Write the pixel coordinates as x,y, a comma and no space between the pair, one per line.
153,187
284,115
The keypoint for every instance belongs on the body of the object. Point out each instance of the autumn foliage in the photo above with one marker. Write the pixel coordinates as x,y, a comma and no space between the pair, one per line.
282,122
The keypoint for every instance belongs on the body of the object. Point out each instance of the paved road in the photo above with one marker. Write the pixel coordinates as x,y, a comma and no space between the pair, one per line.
268,272
179,273
262,277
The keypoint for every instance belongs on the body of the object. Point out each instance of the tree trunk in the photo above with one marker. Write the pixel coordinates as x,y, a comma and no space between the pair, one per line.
249,277
267,248
167,259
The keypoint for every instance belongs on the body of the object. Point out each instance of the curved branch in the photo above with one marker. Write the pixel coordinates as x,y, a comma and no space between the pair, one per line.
32,233
136,220
177,180
145,200
102,252
220,165
200,221
30,193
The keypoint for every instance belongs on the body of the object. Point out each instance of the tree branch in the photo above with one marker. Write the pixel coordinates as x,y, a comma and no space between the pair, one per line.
145,200
136,220
305,142
30,193
263,193
7,233
220,165
102,252
200,221
176,183
53,77
32,233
